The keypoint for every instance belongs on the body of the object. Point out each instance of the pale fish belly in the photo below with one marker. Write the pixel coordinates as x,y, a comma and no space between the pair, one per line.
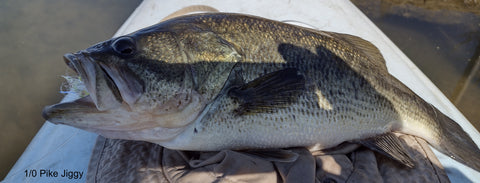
295,126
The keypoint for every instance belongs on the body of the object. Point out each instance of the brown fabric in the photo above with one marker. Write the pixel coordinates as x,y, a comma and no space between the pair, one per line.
132,161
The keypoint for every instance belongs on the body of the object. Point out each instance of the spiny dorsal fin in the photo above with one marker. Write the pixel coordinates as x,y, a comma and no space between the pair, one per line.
389,145
269,92
189,10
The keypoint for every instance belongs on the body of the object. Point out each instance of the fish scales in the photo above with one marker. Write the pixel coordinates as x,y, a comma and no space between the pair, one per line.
265,47
208,82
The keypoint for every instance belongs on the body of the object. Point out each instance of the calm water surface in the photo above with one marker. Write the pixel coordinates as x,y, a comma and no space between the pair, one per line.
442,38
34,36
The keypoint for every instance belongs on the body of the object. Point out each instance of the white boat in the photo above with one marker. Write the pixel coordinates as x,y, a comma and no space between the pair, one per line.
57,148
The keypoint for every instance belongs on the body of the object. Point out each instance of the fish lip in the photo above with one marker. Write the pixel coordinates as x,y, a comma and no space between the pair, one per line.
93,75
53,113
68,59
127,83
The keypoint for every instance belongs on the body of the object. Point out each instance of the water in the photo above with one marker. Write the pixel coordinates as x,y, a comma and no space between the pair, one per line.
442,38
34,36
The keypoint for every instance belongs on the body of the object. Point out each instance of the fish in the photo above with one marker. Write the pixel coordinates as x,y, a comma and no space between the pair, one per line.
215,81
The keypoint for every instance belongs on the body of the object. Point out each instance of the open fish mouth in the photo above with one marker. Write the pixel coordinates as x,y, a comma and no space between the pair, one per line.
109,86
104,93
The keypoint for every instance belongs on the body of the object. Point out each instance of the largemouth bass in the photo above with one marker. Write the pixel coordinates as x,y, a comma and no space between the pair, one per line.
208,82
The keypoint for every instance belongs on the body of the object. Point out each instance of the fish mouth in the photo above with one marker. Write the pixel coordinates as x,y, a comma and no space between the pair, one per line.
109,86
101,86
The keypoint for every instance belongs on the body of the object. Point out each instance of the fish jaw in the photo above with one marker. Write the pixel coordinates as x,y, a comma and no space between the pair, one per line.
117,106
123,122
103,91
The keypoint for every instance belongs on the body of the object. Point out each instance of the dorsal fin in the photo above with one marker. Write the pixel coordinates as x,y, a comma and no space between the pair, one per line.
368,49
190,9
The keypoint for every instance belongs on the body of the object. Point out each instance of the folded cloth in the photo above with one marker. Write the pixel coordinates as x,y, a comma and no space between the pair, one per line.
116,160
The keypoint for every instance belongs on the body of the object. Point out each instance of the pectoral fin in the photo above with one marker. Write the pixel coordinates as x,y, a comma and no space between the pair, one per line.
390,146
269,92
343,148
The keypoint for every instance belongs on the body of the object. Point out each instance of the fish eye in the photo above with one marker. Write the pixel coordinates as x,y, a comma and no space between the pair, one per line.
124,46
